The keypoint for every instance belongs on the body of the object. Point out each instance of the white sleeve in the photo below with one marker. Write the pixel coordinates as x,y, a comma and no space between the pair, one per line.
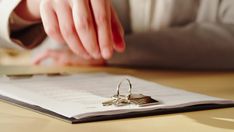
15,32
6,9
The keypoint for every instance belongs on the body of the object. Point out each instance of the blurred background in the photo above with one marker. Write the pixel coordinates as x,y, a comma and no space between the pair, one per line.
14,57
25,57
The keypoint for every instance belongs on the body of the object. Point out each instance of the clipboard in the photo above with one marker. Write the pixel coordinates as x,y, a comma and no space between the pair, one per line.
115,116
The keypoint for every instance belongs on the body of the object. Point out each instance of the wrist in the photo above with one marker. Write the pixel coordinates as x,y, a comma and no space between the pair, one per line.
29,10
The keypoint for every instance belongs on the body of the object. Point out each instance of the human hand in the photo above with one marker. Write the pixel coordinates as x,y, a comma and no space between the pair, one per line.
65,57
90,28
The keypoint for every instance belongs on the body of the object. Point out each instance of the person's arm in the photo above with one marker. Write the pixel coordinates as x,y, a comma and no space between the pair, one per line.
90,28
31,34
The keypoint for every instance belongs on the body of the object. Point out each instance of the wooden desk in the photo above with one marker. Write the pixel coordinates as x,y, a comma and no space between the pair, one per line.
219,84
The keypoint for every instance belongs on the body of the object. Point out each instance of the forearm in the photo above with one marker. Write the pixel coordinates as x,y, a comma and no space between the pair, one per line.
198,46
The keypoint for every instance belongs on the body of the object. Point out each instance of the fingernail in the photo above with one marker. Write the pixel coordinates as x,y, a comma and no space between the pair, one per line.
118,39
106,53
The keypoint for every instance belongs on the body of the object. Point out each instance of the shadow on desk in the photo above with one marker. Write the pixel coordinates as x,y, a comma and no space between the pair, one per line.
223,118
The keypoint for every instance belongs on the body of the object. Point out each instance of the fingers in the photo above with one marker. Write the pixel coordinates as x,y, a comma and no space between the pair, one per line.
50,22
68,29
85,27
102,17
58,57
90,28
65,57
118,32
46,55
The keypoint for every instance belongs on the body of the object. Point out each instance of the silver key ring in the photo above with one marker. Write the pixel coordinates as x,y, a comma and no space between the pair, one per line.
119,85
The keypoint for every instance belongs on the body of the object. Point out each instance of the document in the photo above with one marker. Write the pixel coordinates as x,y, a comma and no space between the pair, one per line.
81,95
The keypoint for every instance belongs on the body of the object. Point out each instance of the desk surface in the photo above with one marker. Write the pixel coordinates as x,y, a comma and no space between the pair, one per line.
219,84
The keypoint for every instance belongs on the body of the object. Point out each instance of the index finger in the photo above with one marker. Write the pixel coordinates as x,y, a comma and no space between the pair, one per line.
102,17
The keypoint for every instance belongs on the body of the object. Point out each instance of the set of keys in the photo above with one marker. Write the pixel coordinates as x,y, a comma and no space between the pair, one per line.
136,99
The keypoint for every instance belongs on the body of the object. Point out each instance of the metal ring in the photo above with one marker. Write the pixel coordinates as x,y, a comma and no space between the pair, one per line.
119,85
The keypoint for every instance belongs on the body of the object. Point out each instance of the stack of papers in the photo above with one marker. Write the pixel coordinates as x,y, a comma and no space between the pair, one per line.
80,96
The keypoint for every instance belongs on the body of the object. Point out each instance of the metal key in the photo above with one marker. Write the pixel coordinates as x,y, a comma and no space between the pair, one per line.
119,100
142,100
137,99
122,102
109,102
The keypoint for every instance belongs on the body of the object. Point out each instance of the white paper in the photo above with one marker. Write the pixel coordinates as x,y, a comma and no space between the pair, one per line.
82,95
